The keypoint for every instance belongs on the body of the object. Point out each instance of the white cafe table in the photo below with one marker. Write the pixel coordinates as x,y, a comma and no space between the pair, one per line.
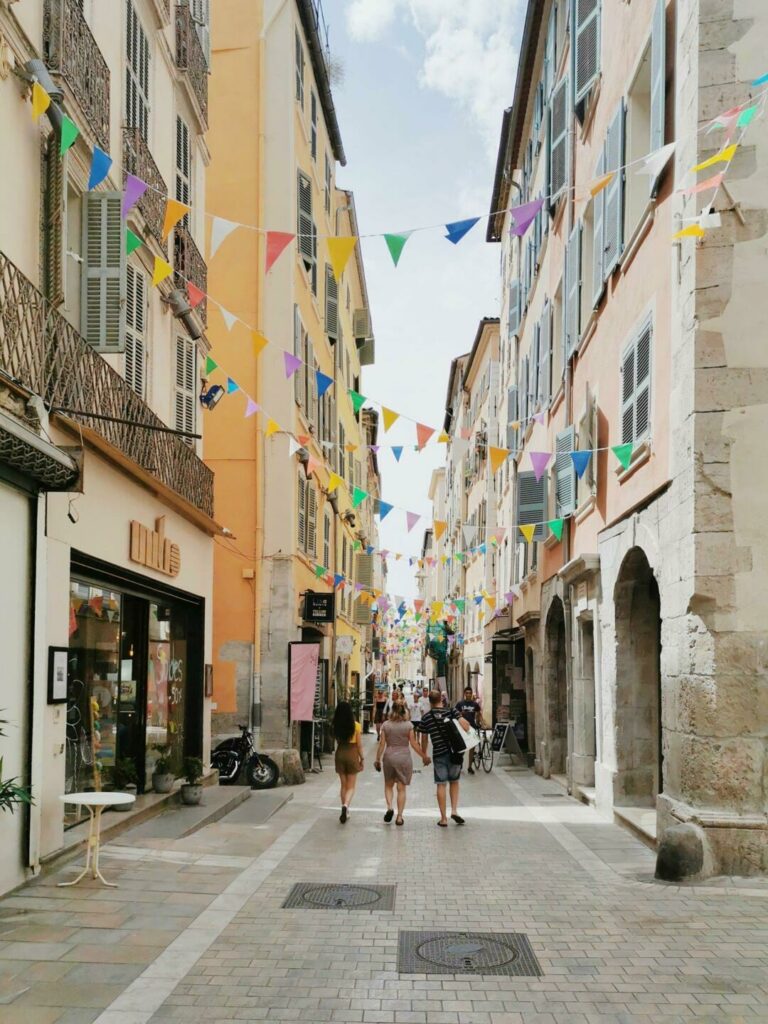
95,804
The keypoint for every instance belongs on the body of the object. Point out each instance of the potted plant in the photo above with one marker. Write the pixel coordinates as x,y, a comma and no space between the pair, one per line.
124,780
12,795
192,790
163,776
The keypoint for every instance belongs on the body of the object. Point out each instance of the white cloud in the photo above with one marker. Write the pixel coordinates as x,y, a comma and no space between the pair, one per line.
469,50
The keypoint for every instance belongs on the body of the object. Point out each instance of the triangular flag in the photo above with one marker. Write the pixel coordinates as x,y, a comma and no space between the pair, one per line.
580,462
384,509
539,462
221,229
528,531
292,363
339,250
443,438
356,547
761,80
509,597
69,132
333,482
161,271
229,318
312,466
499,534
490,601
423,434
746,117
397,451
277,241
132,242
498,457
523,216
440,526
272,428
337,579
623,453
723,157
655,162
174,211
539,417
714,182
459,228
319,571
323,382
210,365
556,526
132,193
358,497
259,343
40,101
460,604
293,446
232,386
468,533
100,165
389,417
692,231
395,244
350,447
478,598
358,400
194,294
411,519
596,187
251,408
436,608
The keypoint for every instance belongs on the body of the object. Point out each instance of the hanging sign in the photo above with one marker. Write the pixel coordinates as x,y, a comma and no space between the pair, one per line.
319,607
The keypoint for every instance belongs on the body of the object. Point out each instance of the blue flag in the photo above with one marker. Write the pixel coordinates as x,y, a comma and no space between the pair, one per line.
323,383
384,509
459,228
232,386
100,164
397,451
580,462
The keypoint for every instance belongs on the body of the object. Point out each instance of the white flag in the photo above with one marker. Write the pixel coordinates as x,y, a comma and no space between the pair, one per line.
220,230
655,162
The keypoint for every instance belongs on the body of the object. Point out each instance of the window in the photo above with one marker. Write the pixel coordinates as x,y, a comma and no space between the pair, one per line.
103,301
306,230
587,47
545,356
183,166
327,184
326,539
54,227
331,305
135,331
636,387
558,141
572,309
645,119
532,502
307,515
299,70
201,16
613,205
136,74
558,351
550,53
565,474
313,124
185,392
587,440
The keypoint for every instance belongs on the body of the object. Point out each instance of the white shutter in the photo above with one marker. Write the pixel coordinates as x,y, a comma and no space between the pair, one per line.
331,304
550,53
658,80
136,73
614,193
185,390
558,140
305,224
565,473
545,356
103,287
298,380
183,164
535,365
201,15
598,236
572,305
299,70
587,46
311,546
643,382
512,416
532,502
135,330
302,512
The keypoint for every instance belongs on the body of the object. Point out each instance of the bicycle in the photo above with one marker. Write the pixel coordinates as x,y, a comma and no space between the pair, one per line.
482,754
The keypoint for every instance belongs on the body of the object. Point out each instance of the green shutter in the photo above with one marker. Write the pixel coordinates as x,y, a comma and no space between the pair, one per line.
104,285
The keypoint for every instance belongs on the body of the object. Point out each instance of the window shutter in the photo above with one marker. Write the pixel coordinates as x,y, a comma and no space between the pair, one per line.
526,391
532,502
185,397
299,70
326,539
572,309
628,395
313,124
535,365
183,165
364,575
311,519
550,68
545,356
53,242
201,15
587,46
614,193
135,330
558,140
512,416
314,404
598,235
341,455
136,73
298,382
306,227
514,307
331,304
565,474
643,382
302,513
103,289
658,80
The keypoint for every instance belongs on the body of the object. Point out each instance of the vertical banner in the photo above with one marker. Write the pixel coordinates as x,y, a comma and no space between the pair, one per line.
302,669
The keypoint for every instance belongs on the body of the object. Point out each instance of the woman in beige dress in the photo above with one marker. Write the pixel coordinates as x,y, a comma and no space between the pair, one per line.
397,741
349,754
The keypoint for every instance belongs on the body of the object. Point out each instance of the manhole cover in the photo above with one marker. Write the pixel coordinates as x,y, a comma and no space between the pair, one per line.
335,896
466,953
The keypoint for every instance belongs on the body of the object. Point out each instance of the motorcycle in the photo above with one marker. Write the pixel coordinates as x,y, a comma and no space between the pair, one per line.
232,755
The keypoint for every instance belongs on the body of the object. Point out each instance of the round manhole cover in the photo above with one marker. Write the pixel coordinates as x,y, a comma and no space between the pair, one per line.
467,953
341,896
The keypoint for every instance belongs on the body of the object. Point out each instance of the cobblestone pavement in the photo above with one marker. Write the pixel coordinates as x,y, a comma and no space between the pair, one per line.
196,931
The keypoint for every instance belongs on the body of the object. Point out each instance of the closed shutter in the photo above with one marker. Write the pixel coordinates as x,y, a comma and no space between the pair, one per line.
326,540
305,224
341,456
350,469
298,380
587,46
313,124
364,576
550,56
643,383
136,73
598,234
135,330
535,366
183,165
103,289
658,80
302,513
201,15
545,356
613,224
299,70
314,404
185,398
311,547
331,304
628,395
53,242
572,307
514,307
532,502
526,400
558,140
512,417
565,474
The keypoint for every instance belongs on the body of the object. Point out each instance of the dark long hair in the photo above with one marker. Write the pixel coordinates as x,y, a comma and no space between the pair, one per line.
344,722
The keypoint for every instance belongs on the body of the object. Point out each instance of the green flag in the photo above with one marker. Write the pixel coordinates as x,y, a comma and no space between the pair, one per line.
556,526
319,571
459,556
395,245
132,241
69,132
746,116
623,453
459,602
210,365
417,616
357,545
358,497
357,400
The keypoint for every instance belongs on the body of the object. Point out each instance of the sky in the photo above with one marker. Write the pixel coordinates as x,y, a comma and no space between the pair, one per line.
423,88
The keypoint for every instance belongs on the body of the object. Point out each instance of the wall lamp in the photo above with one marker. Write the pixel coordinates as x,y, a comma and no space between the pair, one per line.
178,304
210,397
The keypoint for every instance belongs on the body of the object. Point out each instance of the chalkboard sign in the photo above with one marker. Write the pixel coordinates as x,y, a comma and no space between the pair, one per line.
499,736
319,607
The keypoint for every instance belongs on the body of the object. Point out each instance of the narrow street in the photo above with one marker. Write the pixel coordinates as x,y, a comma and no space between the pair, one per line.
196,930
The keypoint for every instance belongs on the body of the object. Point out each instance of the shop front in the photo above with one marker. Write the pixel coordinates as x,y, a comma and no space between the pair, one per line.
509,696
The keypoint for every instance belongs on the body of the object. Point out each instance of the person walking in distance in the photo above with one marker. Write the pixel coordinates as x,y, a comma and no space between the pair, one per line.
397,740
469,709
349,753
447,766
423,705
380,701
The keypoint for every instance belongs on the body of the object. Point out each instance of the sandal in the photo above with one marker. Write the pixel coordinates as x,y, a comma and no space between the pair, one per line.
399,821
442,824
389,815
458,819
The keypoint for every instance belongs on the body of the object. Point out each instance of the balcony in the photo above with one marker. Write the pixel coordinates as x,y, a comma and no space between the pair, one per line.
189,265
191,59
41,352
138,160
72,54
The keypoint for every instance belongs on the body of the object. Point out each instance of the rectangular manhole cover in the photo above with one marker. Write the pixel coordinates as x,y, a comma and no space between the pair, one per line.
338,896
466,953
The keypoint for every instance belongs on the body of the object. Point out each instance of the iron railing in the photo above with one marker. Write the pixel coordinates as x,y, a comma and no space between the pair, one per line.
189,265
138,160
191,58
72,54
41,352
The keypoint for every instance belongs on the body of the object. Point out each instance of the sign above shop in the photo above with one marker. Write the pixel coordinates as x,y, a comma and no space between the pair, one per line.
344,646
152,549
319,607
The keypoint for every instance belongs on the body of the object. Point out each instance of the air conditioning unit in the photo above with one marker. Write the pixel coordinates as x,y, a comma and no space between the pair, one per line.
361,324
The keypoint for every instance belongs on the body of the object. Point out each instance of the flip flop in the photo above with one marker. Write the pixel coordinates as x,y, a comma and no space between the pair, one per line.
399,821
389,815
442,824
458,819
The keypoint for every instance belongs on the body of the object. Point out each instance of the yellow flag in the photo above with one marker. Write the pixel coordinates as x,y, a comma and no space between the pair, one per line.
528,531
333,482
692,231
350,447
597,186
174,211
491,601
259,343
723,157
161,271
436,607
515,424
340,249
389,417
272,428
498,457
440,527
40,101
443,438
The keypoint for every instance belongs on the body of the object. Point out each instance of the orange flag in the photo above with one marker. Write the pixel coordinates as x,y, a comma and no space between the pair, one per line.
423,434
440,527
259,343
498,457
174,211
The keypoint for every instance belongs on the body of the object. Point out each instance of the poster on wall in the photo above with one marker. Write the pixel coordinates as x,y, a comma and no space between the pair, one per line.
57,675
302,675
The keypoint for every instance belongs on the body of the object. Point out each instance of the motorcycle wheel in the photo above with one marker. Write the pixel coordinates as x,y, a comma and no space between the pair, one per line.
262,772
227,765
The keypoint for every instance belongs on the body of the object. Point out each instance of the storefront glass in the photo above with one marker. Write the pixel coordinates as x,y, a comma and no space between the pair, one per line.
166,683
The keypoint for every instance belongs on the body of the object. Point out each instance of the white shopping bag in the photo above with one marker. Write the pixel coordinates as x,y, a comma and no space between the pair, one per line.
470,736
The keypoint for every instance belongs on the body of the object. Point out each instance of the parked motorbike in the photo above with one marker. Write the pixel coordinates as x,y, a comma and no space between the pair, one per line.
232,755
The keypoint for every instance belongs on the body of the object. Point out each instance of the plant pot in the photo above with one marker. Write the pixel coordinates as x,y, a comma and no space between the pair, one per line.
191,795
163,783
125,807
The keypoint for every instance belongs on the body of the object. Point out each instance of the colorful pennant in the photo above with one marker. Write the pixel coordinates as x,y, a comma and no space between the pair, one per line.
623,453
100,165
221,229
358,400
292,364
132,193
539,463
498,457
174,212
323,382
339,251
395,244
580,462
523,216
423,434
40,101
161,271
528,531
277,242
69,133
556,526
459,228
132,242
723,157
390,417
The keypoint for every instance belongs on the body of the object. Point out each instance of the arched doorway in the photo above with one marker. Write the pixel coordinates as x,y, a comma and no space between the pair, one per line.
639,775
557,688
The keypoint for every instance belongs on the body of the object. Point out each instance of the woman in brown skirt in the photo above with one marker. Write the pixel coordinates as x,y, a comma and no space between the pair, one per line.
397,741
349,753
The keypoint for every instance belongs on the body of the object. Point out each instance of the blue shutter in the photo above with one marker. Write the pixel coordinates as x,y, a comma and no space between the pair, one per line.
565,474
585,17
658,80
613,223
531,502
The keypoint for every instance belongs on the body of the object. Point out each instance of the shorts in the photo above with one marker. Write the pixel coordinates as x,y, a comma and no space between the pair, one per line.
445,770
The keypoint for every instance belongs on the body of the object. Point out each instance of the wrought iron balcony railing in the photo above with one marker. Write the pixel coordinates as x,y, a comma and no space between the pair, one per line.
191,58
138,160
189,265
72,54
44,354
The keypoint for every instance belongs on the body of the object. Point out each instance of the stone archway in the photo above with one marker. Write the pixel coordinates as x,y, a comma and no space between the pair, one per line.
639,775
556,688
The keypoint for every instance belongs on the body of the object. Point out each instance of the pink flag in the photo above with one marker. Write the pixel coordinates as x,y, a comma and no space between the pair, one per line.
509,597
276,242
499,534
292,363
714,182
423,434
411,519
303,658
194,294
539,462
539,417
251,407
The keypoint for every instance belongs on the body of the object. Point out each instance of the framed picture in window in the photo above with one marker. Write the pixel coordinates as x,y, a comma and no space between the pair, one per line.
57,675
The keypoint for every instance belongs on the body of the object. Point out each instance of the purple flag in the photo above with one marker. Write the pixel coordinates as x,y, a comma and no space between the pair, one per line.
539,417
523,216
292,363
411,518
134,190
251,408
509,597
539,462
